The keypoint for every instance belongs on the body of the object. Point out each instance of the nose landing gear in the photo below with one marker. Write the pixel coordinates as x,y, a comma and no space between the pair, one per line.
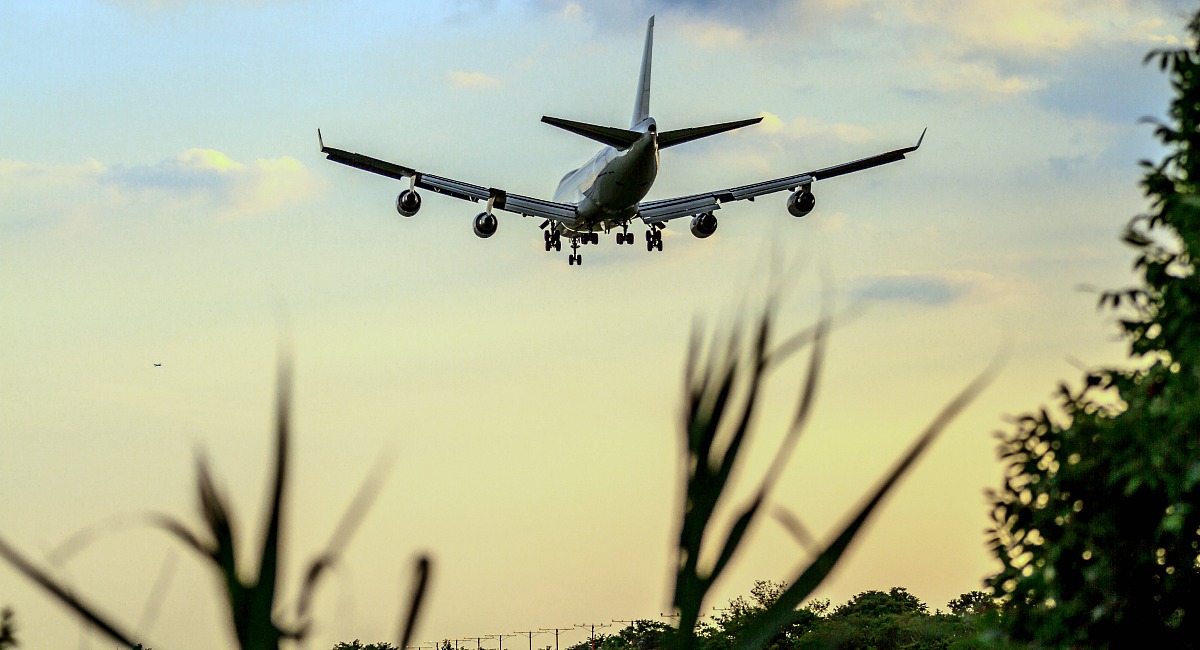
575,258
624,237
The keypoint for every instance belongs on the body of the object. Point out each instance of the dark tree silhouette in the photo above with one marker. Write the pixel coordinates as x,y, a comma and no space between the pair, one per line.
1097,524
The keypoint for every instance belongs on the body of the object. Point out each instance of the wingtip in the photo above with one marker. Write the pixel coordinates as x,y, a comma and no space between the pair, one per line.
922,137
320,140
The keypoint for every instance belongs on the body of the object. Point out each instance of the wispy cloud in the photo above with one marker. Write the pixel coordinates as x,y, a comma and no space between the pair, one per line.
929,289
204,178
471,79
215,180
983,77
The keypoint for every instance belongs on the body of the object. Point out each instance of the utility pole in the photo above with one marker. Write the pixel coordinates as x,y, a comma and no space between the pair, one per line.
530,634
593,626
556,630
501,637
477,639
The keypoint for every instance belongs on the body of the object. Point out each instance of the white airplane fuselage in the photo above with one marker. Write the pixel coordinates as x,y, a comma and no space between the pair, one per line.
606,190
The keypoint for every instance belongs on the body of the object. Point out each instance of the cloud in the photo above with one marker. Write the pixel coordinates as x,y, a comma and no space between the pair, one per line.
203,178
983,77
929,289
708,33
212,179
477,80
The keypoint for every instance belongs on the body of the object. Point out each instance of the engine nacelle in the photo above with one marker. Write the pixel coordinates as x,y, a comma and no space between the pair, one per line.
485,225
704,225
408,202
802,202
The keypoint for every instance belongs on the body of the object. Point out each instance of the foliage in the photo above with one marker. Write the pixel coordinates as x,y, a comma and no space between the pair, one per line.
972,602
721,402
1097,524
641,634
872,619
879,603
358,645
253,601
8,629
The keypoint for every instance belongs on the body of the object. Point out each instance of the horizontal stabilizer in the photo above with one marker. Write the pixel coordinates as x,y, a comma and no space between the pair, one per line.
611,136
680,136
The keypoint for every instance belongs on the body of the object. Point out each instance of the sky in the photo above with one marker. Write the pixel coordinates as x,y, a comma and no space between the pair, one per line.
164,201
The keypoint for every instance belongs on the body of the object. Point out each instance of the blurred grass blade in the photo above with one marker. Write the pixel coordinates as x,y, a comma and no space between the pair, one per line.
799,531
158,592
345,529
42,579
783,610
424,566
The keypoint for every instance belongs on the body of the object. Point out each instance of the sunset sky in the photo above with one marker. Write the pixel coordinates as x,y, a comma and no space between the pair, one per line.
164,201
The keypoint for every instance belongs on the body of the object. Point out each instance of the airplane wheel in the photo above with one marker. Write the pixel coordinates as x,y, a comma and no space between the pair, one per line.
629,238
546,234
620,239
649,244
658,244
547,245
578,260
557,244
570,260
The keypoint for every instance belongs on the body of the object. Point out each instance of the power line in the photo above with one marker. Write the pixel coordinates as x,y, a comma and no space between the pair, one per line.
530,634
556,630
594,626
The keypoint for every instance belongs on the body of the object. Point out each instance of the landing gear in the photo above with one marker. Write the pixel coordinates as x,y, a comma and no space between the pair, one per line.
553,240
575,258
653,239
624,237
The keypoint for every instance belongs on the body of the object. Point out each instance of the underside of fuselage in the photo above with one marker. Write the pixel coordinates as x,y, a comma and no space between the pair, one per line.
607,189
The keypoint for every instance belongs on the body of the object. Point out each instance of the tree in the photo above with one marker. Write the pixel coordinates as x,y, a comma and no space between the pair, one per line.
972,602
1097,522
638,635
731,627
897,600
358,645
888,620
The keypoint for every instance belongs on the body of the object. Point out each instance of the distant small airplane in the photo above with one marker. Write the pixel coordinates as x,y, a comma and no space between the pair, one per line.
158,365
607,191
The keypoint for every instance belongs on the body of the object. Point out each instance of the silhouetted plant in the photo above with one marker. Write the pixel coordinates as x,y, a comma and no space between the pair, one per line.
1097,524
8,629
253,602
722,391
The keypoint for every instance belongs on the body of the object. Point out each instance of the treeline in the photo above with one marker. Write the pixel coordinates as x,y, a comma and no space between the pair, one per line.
881,620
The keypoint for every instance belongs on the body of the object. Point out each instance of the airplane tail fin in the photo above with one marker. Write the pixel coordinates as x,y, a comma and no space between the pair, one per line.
611,136
641,104
680,136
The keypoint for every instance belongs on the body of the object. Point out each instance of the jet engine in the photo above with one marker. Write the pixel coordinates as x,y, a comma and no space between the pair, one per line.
408,202
801,202
704,225
485,225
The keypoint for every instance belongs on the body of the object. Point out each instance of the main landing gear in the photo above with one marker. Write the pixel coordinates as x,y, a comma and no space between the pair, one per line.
653,239
553,240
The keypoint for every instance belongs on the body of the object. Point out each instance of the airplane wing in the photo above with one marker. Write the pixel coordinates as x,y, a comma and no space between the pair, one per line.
516,203
686,206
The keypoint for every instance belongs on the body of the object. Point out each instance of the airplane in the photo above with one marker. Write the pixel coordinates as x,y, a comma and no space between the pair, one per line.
607,192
